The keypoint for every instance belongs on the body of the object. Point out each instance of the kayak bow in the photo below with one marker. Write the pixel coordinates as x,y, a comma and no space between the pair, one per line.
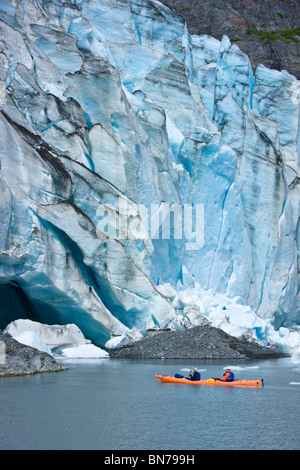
235,383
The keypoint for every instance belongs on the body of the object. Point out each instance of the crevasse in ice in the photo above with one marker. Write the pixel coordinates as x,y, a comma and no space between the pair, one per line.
148,176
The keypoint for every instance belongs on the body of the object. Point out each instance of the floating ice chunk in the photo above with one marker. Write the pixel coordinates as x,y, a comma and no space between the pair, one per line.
50,335
84,351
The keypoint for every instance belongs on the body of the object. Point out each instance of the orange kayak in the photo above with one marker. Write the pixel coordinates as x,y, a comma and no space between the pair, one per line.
235,383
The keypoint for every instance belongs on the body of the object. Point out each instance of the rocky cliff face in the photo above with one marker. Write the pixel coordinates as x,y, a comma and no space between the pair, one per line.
266,30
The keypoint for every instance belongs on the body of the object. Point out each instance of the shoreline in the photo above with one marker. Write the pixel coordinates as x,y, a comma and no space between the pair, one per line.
201,342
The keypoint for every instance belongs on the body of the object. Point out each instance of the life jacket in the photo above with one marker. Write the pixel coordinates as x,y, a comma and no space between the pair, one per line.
229,376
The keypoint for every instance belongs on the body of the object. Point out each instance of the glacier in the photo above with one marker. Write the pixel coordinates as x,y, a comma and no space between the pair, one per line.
117,124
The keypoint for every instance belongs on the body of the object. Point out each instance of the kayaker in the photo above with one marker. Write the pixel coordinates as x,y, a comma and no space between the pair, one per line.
194,374
228,376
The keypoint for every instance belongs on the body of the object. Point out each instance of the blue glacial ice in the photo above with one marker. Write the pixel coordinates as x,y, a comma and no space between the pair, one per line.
113,119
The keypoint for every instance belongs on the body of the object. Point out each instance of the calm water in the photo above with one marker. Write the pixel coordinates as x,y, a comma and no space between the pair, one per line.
119,404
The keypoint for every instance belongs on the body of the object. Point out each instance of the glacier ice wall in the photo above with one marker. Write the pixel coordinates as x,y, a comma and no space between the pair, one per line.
109,109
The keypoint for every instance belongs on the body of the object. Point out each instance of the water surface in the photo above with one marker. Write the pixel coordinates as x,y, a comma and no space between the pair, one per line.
119,404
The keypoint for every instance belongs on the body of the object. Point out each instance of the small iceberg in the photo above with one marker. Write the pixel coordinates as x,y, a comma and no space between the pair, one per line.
61,341
84,351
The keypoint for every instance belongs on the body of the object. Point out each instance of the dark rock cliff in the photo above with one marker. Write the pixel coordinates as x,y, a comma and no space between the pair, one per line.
266,30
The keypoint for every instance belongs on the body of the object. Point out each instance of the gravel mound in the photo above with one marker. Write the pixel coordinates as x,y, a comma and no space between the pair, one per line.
201,342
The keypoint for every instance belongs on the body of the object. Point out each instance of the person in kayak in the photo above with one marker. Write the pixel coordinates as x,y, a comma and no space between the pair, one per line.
228,376
194,374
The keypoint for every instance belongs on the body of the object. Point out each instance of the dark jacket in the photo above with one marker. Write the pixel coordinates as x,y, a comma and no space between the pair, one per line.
196,376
